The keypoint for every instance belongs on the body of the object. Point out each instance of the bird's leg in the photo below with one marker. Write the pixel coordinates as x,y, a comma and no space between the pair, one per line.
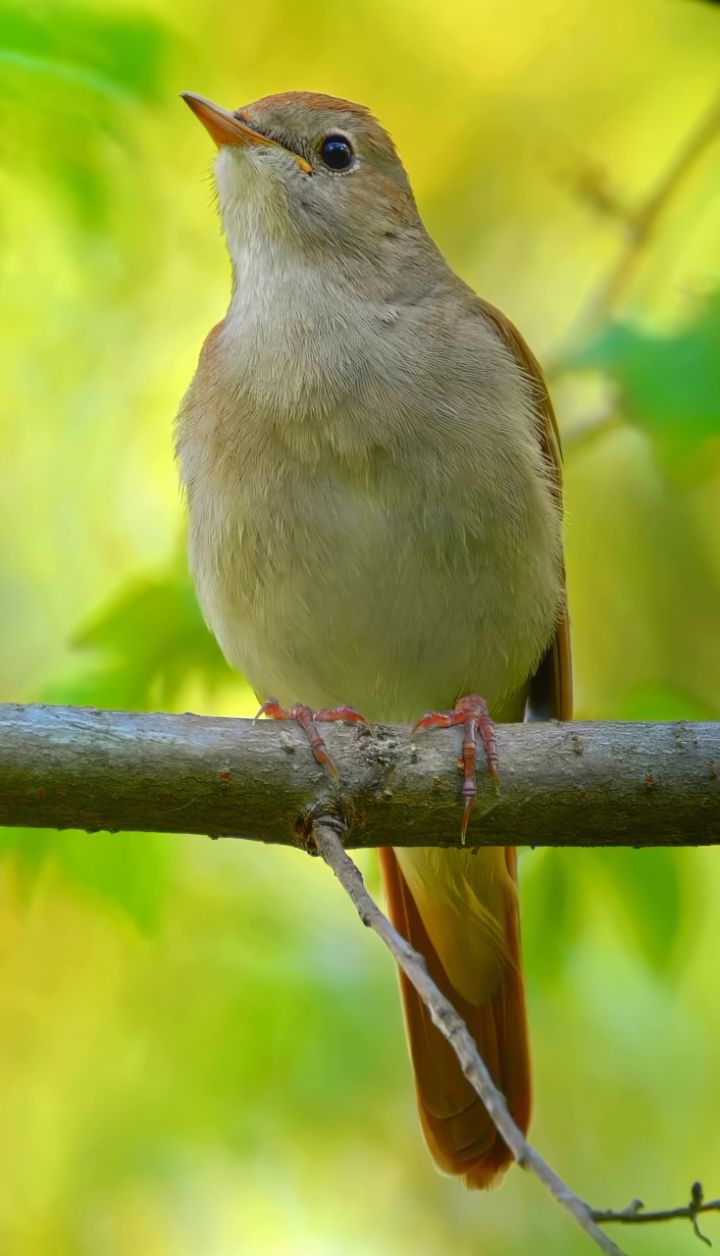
308,722
472,713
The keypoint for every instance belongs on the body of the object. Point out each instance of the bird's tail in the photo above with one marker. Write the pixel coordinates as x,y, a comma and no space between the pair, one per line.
467,928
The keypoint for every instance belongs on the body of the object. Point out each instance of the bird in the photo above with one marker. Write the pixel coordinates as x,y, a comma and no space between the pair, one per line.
372,469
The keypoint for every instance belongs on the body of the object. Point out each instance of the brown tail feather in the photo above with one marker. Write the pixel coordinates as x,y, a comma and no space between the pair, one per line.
457,1128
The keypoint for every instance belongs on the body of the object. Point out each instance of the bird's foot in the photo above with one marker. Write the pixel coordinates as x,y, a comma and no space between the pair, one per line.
472,713
308,722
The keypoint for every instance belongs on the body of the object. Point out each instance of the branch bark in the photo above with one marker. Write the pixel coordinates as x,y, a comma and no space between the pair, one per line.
561,784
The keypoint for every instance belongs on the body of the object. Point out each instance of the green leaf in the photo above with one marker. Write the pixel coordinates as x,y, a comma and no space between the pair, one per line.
67,85
551,892
669,385
129,870
138,652
149,643
113,55
647,887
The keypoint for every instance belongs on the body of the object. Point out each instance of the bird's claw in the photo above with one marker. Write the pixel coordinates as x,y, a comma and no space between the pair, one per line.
472,712
308,721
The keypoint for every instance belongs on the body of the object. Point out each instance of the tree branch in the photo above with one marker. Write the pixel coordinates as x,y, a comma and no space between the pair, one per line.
640,227
641,224
326,836
561,784
635,1214
453,1027
582,784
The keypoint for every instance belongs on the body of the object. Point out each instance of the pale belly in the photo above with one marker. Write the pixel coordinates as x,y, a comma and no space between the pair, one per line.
342,595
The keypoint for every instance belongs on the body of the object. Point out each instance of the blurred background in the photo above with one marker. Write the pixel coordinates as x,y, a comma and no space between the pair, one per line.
200,1049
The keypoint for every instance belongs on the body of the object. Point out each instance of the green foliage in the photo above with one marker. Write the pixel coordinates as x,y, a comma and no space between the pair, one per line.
552,918
647,886
150,642
669,384
644,891
111,55
72,76
663,702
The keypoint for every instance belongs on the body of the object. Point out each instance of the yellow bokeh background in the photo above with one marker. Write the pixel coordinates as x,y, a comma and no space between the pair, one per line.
200,1050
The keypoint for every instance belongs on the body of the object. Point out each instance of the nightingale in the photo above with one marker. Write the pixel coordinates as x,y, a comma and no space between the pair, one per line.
372,469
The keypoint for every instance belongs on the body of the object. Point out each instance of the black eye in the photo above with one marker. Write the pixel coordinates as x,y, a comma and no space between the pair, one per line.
337,152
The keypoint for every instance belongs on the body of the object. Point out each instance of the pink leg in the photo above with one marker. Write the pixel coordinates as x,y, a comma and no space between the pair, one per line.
472,713
308,723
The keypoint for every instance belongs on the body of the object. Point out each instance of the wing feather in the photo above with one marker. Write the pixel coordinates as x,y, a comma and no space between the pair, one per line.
551,687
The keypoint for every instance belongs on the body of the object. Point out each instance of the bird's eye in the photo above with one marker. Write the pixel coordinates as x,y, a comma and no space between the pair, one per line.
337,152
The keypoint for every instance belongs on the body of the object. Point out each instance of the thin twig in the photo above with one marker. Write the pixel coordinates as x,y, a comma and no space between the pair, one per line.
642,223
325,834
454,1029
636,1214
640,226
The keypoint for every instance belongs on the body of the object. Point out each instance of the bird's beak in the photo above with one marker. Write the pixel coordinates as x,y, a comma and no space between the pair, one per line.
228,128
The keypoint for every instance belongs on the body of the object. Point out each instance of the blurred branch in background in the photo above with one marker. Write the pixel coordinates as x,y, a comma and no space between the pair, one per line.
595,333
562,784
640,224
327,834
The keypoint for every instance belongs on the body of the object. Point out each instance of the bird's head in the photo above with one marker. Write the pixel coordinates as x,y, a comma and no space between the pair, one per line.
318,172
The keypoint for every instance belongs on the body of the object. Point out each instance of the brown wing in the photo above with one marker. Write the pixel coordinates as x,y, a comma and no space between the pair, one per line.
551,687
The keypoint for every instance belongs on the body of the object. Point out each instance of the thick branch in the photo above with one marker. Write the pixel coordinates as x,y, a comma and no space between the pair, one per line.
572,784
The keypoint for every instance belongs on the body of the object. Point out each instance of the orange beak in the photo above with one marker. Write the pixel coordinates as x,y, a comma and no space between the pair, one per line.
228,128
